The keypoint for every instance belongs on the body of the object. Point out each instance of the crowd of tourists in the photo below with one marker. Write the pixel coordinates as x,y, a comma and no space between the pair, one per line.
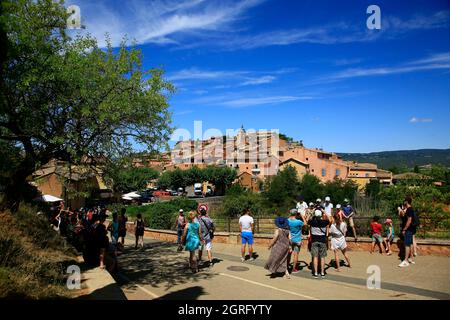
86,230
322,225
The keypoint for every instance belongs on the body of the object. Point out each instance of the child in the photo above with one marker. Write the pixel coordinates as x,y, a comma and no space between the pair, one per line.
390,235
139,231
376,233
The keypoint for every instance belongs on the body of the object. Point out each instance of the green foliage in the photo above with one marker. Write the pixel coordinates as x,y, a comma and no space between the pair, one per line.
282,189
161,215
310,188
339,190
220,177
373,189
128,178
70,100
236,203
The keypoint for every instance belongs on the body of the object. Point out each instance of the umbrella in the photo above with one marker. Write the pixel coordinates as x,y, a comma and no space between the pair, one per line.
133,194
50,198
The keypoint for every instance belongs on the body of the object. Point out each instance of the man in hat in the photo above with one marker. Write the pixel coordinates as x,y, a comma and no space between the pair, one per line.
301,207
295,229
349,213
180,223
328,206
319,231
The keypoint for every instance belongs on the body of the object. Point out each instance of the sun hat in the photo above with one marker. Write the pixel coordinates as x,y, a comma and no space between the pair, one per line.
328,199
281,222
318,213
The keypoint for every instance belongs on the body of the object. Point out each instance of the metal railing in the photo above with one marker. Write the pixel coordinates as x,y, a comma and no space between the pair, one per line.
436,228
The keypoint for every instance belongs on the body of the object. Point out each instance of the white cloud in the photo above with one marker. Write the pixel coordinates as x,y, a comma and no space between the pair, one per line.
159,22
439,61
420,120
260,80
197,74
248,102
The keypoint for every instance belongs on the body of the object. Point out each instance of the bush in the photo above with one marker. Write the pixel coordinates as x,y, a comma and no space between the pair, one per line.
235,204
161,215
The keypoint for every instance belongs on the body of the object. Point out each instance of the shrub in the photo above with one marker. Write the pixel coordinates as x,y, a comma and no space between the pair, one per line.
235,204
161,215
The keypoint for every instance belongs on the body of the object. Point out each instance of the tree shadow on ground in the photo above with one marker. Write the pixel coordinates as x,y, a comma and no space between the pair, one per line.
157,264
109,292
191,293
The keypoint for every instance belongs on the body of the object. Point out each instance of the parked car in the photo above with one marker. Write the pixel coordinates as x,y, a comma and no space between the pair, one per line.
198,189
161,193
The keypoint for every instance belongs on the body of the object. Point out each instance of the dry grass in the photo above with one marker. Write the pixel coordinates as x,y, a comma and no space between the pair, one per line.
33,257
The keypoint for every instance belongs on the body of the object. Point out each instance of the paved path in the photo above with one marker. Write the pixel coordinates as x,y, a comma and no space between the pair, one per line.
160,272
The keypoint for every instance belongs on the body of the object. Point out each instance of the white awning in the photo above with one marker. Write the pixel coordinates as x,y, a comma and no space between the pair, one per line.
50,198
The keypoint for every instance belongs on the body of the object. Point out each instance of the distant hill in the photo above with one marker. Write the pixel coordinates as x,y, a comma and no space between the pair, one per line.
409,158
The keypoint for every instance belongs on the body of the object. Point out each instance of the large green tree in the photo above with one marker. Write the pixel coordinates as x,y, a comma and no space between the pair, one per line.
65,98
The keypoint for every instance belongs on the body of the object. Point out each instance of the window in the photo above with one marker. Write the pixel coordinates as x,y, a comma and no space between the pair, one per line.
324,172
338,172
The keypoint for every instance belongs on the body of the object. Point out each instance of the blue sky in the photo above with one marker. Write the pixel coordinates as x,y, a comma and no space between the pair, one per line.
311,69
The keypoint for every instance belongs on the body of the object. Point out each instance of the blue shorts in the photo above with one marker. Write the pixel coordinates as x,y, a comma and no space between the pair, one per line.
408,238
247,237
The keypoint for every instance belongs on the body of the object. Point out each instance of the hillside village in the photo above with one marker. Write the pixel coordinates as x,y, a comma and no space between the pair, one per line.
255,156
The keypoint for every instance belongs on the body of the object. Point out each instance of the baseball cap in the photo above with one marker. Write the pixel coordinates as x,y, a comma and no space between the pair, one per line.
345,200
319,200
318,213
181,210
311,204
338,206
293,212
328,199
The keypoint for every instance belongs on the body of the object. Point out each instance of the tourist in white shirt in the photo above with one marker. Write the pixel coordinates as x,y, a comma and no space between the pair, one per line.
246,226
301,207
328,206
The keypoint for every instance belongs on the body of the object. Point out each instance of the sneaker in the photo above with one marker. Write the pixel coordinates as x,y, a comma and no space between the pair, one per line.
295,271
411,261
415,254
251,259
322,275
389,253
404,264
315,276
242,259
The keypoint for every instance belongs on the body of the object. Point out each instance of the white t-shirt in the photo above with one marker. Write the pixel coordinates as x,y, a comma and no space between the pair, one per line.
301,208
336,232
329,209
246,222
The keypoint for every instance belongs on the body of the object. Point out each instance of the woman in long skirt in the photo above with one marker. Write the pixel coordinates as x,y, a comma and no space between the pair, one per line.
280,244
